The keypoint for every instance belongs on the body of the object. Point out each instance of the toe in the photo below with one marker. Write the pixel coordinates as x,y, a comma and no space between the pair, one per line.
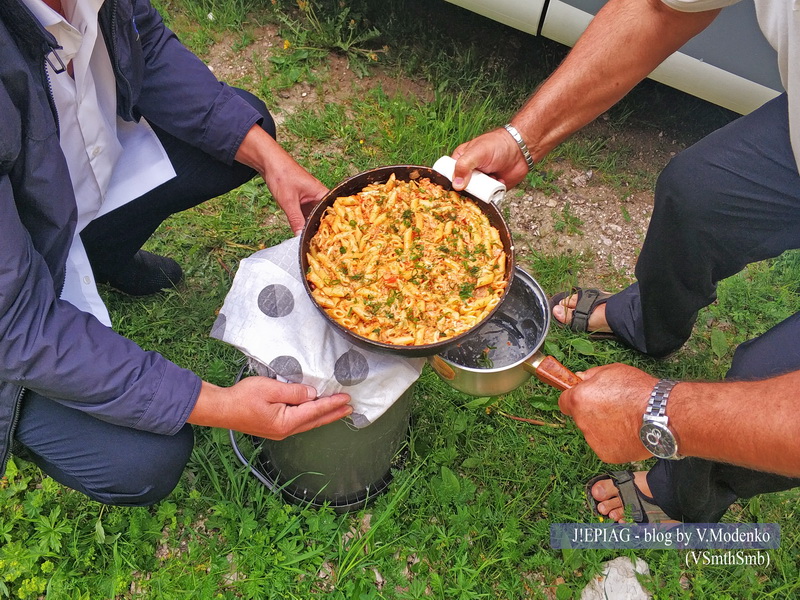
618,515
609,502
560,313
609,505
569,302
604,490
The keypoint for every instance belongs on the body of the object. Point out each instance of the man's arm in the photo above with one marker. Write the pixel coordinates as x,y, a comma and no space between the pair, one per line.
178,91
183,97
53,348
625,41
751,424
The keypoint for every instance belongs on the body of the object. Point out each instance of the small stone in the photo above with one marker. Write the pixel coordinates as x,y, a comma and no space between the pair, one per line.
684,582
618,581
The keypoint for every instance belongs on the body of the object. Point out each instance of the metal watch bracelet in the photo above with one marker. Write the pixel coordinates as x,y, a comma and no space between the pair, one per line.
655,432
657,404
521,143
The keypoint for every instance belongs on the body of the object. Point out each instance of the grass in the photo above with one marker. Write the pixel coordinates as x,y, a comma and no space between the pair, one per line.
468,517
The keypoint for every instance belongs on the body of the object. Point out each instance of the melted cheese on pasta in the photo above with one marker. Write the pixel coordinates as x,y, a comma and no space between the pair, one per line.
406,263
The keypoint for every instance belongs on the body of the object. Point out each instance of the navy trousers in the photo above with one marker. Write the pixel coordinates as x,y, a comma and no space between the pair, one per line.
109,463
729,200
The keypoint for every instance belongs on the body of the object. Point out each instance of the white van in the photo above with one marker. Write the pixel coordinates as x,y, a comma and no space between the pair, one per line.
729,64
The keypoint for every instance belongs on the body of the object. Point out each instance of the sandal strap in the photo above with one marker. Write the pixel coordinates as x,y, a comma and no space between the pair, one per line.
588,299
641,507
623,481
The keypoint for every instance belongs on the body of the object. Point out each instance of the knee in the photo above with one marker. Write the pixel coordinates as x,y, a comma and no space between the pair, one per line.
682,190
745,364
773,353
267,123
149,475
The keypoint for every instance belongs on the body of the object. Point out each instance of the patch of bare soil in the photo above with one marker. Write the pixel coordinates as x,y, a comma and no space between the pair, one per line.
577,213
337,81
584,217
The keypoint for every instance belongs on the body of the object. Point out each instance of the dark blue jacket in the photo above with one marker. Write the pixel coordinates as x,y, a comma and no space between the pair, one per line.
46,344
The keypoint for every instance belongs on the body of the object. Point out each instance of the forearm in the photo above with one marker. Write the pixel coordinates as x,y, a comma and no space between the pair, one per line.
49,346
717,421
622,45
751,424
211,408
260,151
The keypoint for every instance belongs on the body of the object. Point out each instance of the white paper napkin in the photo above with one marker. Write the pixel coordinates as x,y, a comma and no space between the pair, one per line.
480,185
268,316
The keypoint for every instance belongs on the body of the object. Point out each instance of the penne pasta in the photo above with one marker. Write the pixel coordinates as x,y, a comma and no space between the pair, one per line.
406,263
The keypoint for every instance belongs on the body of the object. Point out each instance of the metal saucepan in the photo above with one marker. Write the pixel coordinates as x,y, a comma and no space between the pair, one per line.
357,183
503,353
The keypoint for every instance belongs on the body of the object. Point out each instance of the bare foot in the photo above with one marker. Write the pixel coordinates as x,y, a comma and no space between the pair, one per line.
597,320
609,502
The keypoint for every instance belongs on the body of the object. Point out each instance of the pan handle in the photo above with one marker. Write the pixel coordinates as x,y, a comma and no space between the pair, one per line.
551,371
481,185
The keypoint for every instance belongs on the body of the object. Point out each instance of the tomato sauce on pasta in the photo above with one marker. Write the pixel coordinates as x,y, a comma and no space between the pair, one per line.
406,263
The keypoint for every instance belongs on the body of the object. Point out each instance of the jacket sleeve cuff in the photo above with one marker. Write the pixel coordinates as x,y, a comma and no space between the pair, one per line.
172,403
228,125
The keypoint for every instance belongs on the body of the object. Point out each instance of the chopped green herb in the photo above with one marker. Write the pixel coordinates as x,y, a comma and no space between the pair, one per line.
484,360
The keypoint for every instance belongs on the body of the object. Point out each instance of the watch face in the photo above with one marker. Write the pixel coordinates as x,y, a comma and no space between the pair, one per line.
658,440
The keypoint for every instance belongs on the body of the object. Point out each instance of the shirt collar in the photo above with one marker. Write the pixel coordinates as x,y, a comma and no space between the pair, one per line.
67,36
43,13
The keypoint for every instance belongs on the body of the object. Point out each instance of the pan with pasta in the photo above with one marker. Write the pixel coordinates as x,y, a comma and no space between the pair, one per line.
398,261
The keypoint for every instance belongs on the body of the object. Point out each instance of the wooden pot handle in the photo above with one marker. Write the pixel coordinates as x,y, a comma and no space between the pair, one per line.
551,371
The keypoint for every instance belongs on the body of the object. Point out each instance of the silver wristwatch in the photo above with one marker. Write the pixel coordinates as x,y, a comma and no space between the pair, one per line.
655,432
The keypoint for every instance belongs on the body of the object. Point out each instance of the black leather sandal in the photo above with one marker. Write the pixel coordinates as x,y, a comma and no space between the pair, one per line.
588,300
641,507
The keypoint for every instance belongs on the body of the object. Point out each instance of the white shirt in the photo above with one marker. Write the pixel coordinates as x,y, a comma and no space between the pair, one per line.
110,161
780,22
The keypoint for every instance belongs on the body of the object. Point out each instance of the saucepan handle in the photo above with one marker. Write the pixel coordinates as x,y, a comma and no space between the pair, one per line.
551,371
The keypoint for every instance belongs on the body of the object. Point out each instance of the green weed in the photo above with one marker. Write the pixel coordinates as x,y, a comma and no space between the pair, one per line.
566,222
219,14
544,180
324,27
